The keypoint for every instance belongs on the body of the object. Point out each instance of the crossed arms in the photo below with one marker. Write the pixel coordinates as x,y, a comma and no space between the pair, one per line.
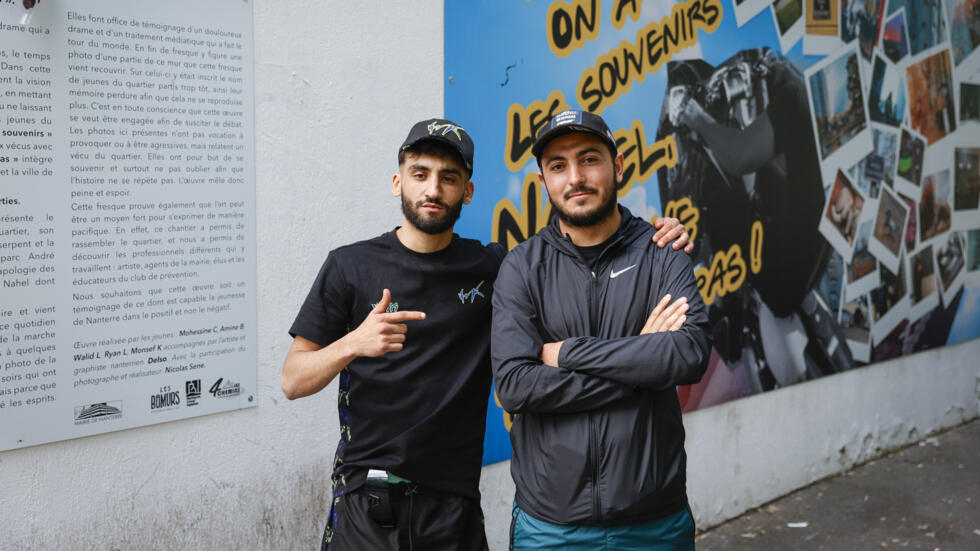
592,372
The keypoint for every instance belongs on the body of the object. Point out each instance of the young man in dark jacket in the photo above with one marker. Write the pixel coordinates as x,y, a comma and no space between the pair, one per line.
404,321
588,371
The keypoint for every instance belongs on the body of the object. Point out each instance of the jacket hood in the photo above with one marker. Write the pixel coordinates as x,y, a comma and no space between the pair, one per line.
630,229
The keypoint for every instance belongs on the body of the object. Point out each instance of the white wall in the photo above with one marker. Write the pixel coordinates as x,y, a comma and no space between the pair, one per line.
337,86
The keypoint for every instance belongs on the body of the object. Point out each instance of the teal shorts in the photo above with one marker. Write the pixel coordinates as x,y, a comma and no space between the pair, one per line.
671,533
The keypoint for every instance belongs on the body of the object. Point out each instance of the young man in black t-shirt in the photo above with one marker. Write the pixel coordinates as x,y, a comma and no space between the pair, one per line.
404,320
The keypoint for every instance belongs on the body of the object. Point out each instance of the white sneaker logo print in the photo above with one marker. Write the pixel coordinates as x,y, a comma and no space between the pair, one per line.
615,274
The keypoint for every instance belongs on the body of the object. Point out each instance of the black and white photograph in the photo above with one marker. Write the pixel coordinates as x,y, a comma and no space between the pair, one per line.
923,291
855,323
966,186
895,37
969,102
889,229
839,223
951,263
787,15
840,119
886,100
935,208
908,174
861,273
889,301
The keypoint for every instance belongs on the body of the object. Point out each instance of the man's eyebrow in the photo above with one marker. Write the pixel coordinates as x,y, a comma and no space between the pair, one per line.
554,158
450,170
587,150
577,154
419,166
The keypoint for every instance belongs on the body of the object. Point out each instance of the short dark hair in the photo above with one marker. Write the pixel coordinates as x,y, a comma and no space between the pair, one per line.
434,148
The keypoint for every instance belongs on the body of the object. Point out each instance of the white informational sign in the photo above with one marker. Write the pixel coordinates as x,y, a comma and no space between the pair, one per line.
127,215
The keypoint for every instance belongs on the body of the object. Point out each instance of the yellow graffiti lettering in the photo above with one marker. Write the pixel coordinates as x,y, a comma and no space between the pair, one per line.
614,72
642,160
523,124
569,27
508,417
726,275
624,8
685,211
511,225
755,247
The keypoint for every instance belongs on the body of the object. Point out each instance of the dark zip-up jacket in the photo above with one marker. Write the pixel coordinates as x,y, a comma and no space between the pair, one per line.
597,440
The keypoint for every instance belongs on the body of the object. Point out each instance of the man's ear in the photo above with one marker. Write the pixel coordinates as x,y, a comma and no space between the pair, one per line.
468,192
618,165
396,184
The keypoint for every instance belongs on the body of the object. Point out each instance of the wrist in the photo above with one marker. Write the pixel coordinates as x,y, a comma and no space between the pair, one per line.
348,348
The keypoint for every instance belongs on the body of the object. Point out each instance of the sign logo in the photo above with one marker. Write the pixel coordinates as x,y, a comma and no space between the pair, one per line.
471,294
614,274
166,399
225,389
192,389
392,307
94,413
569,116
445,128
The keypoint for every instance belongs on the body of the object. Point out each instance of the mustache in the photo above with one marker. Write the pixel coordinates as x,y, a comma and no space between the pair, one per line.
580,189
421,202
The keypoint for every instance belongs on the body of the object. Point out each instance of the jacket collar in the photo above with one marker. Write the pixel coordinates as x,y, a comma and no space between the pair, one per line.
630,229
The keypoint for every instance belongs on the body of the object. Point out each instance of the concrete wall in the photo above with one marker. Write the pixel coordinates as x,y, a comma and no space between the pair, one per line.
337,86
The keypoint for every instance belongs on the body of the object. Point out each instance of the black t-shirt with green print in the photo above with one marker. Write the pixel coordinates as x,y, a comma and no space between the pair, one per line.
419,413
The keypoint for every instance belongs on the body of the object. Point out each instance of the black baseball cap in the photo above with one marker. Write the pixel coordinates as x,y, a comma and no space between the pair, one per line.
569,121
445,131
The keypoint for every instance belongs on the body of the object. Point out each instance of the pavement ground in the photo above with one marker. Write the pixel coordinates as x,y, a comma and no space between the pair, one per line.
924,496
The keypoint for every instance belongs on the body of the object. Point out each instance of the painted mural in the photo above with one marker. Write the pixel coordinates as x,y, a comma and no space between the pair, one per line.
824,156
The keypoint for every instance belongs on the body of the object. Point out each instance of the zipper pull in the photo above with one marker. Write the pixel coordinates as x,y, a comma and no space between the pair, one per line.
593,276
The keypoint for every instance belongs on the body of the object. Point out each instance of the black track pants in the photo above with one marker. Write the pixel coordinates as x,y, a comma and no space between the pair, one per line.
419,520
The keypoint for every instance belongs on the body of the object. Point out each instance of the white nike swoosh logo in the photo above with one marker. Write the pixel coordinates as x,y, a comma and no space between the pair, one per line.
617,274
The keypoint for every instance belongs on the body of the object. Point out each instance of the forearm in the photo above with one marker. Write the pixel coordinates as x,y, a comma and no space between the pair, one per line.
306,372
655,361
527,386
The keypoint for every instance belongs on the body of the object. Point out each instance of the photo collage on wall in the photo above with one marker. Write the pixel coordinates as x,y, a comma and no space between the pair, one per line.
917,186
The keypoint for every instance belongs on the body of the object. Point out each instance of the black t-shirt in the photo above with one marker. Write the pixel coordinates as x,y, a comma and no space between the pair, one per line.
590,253
419,413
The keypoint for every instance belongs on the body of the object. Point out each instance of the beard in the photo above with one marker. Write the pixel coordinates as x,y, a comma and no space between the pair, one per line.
589,218
431,225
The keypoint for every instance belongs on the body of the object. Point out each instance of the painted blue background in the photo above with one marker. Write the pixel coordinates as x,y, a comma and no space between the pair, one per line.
497,54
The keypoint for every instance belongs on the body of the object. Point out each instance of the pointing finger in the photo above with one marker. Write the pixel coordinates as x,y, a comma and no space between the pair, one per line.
407,315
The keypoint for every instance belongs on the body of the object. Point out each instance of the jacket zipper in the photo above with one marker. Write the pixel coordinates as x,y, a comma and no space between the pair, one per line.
593,444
